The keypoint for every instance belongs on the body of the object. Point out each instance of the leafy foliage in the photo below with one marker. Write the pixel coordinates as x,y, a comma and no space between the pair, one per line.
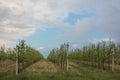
26,54
59,56
97,55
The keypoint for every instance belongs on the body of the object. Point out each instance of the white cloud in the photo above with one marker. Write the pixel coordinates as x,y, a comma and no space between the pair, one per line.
79,30
41,48
75,46
6,43
20,18
108,17
103,39
16,16
11,31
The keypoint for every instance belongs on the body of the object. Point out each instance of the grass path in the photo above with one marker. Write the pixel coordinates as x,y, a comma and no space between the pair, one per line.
46,70
7,65
41,66
88,73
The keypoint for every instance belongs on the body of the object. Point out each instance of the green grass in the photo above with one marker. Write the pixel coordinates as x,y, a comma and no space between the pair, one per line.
39,76
76,72
89,73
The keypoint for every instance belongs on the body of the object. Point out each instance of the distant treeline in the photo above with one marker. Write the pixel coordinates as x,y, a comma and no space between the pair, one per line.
102,55
59,56
26,54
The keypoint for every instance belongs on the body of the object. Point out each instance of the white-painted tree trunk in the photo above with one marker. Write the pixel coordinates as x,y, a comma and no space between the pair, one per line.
67,62
17,63
67,56
113,60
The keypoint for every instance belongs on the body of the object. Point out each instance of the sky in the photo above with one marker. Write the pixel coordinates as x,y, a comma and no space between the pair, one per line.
46,24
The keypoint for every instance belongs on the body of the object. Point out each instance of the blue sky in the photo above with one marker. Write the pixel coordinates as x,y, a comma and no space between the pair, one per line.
73,17
45,24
